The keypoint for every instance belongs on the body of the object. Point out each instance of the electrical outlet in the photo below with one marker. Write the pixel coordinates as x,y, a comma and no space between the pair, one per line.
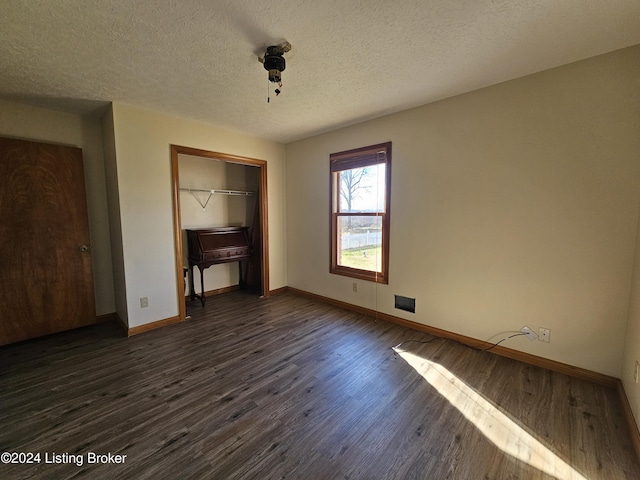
637,372
529,333
355,287
544,335
144,302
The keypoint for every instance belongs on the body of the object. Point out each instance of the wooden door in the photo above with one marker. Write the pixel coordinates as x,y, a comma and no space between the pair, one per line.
46,282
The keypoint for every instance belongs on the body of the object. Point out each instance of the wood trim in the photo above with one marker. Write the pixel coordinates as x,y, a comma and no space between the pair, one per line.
279,291
629,417
570,370
217,291
264,227
177,230
153,325
359,274
196,152
177,223
534,360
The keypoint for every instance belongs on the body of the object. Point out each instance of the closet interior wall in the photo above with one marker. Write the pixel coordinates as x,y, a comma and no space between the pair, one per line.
199,173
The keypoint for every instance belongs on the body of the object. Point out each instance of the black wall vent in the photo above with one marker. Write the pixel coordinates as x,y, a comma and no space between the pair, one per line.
405,303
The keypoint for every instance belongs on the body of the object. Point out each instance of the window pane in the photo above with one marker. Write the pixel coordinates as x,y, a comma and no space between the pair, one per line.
360,242
362,189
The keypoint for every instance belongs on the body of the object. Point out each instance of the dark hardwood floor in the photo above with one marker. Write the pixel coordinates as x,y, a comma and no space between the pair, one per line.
287,388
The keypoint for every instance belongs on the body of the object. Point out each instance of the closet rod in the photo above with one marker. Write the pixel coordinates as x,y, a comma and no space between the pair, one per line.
222,192
193,192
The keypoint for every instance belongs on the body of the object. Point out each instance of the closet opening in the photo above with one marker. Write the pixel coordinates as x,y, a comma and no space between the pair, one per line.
219,200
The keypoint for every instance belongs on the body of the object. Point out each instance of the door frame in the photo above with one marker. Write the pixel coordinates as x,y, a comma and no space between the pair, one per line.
176,150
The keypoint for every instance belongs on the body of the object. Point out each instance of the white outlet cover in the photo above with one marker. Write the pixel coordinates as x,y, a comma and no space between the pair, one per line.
529,333
545,334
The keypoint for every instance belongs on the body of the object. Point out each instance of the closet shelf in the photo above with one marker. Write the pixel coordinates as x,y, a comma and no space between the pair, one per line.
194,191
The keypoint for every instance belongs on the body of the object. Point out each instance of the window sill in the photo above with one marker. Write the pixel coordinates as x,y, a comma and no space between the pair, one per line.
360,274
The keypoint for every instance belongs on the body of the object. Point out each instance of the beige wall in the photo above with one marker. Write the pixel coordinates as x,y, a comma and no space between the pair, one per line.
115,227
516,204
31,123
632,345
142,145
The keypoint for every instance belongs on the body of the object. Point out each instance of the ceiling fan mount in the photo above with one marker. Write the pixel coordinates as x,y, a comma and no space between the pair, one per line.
274,62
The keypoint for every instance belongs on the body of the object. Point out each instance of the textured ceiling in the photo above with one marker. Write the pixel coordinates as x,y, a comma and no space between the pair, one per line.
351,60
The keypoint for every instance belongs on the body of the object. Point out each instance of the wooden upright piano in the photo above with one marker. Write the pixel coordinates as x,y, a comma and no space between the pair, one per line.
212,246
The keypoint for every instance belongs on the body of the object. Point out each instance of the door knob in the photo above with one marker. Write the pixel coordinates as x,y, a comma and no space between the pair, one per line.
84,248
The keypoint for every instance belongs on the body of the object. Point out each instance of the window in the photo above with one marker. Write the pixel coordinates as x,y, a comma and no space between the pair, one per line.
360,183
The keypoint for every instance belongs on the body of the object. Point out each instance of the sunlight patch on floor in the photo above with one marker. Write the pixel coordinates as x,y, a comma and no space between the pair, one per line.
503,432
